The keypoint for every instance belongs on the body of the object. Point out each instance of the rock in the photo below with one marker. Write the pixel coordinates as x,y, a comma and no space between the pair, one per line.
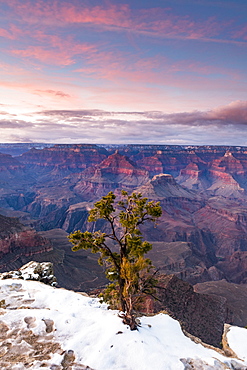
198,364
114,172
235,295
63,159
68,360
164,186
49,325
237,366
42,272
30,321
18,242
200,315
152,164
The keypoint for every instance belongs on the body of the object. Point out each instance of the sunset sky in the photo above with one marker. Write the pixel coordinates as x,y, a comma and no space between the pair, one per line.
141,71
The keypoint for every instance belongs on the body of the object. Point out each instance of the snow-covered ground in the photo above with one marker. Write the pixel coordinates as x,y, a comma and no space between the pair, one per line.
237,339
40,315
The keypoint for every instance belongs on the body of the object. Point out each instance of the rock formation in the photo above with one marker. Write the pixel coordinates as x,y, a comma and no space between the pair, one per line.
42,272
164,186
235,295
18,243
201,315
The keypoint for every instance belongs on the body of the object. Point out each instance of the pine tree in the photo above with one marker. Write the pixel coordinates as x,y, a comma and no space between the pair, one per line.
122,250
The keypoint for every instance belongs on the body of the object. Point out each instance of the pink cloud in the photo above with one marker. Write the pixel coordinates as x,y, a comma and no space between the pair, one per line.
124,68
70,13
158,22
240,33
56,93
111,15
5,34
57,51
234,112
13,33
45,56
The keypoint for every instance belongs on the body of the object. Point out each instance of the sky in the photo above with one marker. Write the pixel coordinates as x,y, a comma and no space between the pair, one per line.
116,71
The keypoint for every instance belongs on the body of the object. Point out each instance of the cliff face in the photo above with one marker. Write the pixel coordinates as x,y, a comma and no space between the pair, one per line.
116,171
18,242
223,176
235,295
63,159
164,186
201,315
10,170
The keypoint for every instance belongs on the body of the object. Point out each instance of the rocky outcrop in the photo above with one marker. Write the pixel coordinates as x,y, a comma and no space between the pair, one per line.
164,186
152,164
235,295
201,315
229,163
180,259
20,246
77,271
8,164
42,272
195,363
63,159
224,184
226,221
235,267
116,171
194,177
215,177
76,216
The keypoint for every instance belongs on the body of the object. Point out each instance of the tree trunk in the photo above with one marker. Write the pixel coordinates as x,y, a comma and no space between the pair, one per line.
129,319
121,296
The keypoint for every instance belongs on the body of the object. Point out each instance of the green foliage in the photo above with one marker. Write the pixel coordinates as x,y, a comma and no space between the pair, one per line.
127,269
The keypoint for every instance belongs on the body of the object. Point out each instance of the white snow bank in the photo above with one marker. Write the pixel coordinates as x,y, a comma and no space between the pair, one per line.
237,339
97,335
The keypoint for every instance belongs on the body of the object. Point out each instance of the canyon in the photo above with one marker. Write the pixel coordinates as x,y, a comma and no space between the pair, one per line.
201,236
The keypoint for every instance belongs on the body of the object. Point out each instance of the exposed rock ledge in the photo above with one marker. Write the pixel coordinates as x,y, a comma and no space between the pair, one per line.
42,272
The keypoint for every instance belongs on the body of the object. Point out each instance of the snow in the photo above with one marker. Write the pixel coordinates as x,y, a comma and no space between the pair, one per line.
97,335
237,339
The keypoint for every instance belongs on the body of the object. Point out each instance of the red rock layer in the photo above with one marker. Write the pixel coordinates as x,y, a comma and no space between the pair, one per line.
65,156
8,163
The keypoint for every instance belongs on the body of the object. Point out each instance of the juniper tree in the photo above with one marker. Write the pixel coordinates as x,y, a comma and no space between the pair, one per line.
122,250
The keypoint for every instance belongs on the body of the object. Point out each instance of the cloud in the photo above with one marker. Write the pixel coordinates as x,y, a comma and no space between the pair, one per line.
241,33
45,55
14,124
13,32
52,92
155,22
76,113
233,114
228,124
50,48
